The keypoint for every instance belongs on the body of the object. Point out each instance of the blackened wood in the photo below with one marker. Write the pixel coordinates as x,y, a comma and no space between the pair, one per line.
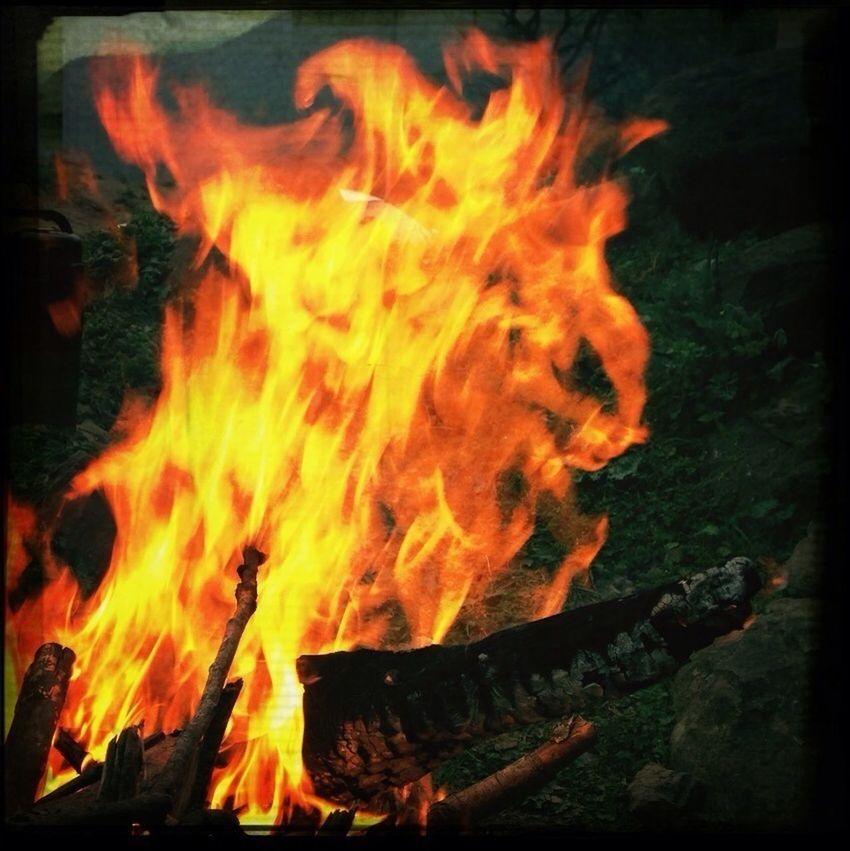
338,823
145,809
84,805
211,744
91,774
37,710
167,793
173,781
74,753
514,782
122,768
376,720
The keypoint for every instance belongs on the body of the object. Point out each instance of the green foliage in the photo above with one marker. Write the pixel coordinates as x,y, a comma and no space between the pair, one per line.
735,455
590,794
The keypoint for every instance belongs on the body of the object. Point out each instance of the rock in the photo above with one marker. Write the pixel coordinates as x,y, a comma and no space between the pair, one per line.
786,279
662,797
735,157
743,728
804,566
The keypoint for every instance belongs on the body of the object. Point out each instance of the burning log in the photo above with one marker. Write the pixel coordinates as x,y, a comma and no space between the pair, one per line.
212,743
91,774
167,792
338,823
34,723
79,799
375,720
516,781
122,769
74,753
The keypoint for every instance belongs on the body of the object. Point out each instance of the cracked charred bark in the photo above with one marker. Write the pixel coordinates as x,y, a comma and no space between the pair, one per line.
376,720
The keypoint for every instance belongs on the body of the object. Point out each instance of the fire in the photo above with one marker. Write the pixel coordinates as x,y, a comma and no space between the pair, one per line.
403,299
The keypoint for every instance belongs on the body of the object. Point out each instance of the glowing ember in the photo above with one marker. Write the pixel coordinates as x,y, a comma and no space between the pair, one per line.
402,306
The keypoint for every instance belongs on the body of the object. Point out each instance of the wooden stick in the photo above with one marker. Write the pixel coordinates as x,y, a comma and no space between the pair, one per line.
338,823
167,793
172,781
514,782
74,753
211,744
122,769
33,726
91,774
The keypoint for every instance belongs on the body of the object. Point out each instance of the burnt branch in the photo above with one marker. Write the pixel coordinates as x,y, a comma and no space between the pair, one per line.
172,781
378,720
74,753
165,791
516,781
37,710
211,744
122,768
90,774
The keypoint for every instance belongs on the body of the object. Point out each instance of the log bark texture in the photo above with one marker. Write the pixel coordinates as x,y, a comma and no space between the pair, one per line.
37,710
376,720
514,782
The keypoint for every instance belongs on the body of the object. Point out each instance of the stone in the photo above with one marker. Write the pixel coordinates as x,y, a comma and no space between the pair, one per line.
803,570
743,728
661,797
786,280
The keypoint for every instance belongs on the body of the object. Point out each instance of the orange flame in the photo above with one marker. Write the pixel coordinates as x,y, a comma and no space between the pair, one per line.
406,295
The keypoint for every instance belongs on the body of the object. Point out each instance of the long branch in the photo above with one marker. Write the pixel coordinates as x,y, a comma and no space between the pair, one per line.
173,777
516,781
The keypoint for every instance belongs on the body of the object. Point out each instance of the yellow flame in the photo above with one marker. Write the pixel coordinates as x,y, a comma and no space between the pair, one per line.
386,343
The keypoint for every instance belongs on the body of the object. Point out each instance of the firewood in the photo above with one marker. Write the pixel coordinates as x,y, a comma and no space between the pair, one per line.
122,769
516,781
34,723
166,793
91,774
211,743
74,753
377,720
338,823
172,781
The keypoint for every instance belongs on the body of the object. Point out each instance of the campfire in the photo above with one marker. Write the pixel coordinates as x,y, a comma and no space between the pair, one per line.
365,402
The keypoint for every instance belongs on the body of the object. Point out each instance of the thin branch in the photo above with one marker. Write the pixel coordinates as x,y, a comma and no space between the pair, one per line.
516,781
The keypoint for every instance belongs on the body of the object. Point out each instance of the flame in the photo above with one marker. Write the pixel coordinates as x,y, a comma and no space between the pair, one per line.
405,295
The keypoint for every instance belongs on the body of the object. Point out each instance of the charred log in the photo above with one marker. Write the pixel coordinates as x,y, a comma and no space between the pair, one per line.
74,753
514,782
338,823
34,723
375,720
91,773
76,804
122,768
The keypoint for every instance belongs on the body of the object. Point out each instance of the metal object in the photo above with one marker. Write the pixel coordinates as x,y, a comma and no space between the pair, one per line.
44,319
